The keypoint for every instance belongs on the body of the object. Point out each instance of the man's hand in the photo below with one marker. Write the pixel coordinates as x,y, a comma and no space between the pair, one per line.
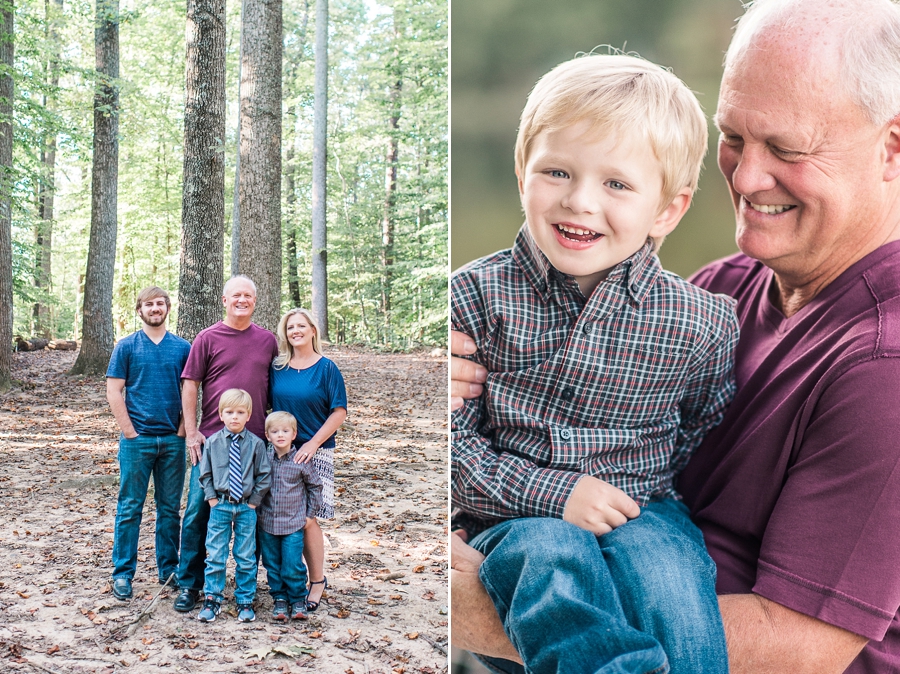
130,435
466,377
599,507
195,441
476,625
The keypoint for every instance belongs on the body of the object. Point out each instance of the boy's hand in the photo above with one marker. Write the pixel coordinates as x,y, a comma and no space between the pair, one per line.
252,506
213,502
599,507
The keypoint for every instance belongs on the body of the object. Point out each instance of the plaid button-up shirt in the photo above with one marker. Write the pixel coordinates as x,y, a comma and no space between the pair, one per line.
296,494
622,385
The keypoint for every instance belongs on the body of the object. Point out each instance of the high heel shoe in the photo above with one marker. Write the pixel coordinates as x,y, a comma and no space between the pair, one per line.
313,605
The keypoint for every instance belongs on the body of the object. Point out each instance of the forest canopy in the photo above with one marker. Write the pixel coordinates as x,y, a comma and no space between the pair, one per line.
387,93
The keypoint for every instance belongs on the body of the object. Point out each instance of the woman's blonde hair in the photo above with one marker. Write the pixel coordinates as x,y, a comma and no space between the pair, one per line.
285,349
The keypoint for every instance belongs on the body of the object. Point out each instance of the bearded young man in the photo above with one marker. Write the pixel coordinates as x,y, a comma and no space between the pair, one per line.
143,387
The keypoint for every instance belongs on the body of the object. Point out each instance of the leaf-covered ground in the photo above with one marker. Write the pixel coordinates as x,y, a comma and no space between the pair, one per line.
387,561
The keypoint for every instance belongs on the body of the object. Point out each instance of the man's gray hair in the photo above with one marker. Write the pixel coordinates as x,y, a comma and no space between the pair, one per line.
240,277
869,42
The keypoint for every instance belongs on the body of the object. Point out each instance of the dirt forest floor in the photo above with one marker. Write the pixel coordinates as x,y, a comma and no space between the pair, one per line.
387,557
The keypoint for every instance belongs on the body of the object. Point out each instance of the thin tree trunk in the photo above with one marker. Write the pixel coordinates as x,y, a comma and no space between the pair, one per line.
390,184
203,200
47,187
7,13
97,330
290,170
260,177
320,155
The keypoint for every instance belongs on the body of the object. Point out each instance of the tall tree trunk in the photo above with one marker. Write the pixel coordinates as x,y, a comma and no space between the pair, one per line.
7,13
320,155
236,197
203,200
97,330
290,170
47,187
390,183
260,178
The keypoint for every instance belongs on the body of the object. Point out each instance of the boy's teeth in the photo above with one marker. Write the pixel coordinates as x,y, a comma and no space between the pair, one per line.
770,209
575,230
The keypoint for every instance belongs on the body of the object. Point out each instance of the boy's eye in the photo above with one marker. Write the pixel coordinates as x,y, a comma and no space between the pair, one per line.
616,185
556,173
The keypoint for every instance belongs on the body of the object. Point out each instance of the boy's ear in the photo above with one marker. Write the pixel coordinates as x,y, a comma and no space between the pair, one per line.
671,215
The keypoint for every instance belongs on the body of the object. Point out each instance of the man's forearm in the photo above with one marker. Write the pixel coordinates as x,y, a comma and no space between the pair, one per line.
189,389
767,638
475,625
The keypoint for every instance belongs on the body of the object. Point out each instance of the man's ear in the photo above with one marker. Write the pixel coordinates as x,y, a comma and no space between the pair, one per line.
671,215
892,150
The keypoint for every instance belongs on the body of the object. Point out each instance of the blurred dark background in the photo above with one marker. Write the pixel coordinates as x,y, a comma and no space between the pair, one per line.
499,48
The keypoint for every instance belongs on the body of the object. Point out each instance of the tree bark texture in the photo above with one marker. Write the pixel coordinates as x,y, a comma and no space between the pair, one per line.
320,155
260,170
43,239
201,274
97,327
390,185
6,180
236,196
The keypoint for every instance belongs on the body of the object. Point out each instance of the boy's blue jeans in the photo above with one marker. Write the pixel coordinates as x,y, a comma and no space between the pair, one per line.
222,519
164,458
283,558
640,599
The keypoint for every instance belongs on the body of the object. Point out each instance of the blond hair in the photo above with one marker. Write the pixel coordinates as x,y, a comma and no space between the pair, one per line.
620,94
236,397
285,348
281,418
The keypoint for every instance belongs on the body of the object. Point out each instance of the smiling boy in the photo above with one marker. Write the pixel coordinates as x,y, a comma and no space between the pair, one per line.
605,372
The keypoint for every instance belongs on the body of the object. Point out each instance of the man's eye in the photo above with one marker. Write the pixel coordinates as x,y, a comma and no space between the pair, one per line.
725,139
615,185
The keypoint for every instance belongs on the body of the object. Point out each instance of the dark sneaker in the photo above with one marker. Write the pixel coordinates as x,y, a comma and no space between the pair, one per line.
210,610
280,610
246,613
186,600
298,610
121,588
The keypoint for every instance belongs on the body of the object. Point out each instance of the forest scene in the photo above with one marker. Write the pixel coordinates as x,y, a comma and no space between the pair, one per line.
301,143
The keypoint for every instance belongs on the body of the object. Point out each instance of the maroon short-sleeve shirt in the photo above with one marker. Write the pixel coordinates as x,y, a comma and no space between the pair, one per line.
222,358
797,491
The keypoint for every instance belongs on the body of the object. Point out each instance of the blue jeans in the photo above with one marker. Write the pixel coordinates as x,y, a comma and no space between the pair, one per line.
193,536
283,558
163,457
640,599
222,519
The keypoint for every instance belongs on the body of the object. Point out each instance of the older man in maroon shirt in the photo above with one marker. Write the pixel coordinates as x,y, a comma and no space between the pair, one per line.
798,490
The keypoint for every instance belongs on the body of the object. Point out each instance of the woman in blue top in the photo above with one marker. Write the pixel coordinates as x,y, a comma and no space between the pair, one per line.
310,387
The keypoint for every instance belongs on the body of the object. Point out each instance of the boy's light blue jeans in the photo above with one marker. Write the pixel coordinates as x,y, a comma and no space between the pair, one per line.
283,558
639,600
164,458
222,519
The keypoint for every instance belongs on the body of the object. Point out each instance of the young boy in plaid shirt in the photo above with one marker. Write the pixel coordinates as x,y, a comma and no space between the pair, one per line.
605,372
294,495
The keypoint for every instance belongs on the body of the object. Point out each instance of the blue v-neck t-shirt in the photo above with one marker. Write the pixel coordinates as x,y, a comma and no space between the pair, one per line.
152,374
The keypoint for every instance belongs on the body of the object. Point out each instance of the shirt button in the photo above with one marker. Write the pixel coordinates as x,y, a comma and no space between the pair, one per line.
587,329
567,393
565,434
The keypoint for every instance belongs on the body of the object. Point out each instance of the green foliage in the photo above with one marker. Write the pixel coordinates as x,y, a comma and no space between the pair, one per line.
365,51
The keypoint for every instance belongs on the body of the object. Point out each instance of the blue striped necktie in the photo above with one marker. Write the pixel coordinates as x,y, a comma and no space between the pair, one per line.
235,482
